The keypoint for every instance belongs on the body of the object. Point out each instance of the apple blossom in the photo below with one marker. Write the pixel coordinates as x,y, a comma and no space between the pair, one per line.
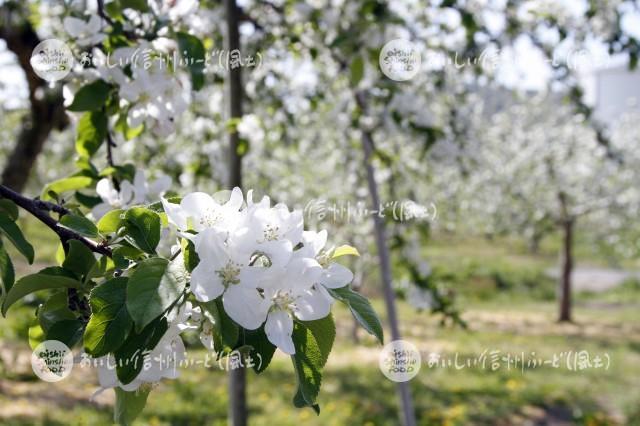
85,33
129,194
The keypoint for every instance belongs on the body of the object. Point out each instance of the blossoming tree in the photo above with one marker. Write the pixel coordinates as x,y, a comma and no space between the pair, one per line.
140,266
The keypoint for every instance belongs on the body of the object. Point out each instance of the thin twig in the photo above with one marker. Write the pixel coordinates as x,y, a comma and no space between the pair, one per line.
39,210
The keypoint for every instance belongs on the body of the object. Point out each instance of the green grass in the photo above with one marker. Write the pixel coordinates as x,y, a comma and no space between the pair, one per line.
504,298
355,392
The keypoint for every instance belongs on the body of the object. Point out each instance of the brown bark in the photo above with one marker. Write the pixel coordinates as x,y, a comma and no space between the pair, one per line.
46,110
238,412
404,392
567,268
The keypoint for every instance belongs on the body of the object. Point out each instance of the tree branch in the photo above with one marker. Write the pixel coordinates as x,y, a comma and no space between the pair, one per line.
39,209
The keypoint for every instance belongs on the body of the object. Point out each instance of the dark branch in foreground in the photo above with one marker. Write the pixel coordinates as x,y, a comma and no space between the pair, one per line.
39,209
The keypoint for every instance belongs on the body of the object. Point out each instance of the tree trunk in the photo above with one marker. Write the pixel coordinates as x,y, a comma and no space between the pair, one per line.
567,268
238,413
404,391
46,108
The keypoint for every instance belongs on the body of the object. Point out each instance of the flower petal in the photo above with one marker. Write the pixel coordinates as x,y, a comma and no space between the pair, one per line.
245,306
278,251
206,285
197,205
279,327
312,305
175,214
336,276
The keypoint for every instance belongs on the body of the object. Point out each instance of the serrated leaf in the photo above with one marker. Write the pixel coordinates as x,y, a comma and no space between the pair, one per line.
9,228
153,287
91,97
70,183
91,132
345,250
68,332
7,272
110,321
361,309
48,278
55,309
110,222
79,224
313,341
79,259
129,405
130,355
10,208
262,349
143,228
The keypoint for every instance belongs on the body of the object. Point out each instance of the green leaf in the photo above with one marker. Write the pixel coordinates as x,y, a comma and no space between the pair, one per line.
79,259
130,355
143,228
54,310
153,287
79,224
110,222
225,331
313,341
91,97
10,208
36,336
139,5
91,132
190,256
70,183
110,321
48,278
262,351
7,273
192,50
66,331
129,405
123,127
9,228
345,250
361,309
88,201
356,71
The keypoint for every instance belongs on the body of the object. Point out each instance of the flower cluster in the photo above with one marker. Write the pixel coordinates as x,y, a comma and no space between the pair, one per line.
258,258
151,91
128,194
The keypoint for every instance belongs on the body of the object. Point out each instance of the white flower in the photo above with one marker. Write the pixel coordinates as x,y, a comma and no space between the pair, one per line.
333,275
86,33
247,258
290,293
129,194
223,270
154,94
199,211
273,231
174,10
